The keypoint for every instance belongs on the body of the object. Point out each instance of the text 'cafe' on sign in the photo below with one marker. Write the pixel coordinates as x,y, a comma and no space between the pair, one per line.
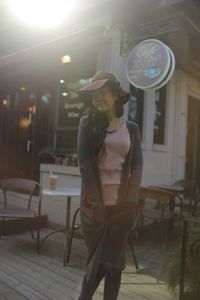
150,65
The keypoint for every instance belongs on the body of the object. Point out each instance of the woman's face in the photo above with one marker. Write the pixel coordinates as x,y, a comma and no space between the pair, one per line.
104,100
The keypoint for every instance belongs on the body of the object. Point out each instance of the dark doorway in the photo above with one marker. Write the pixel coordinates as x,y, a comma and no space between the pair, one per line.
192,167
25,127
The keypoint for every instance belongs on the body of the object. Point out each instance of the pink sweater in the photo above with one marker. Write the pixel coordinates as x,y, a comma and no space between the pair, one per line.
110,161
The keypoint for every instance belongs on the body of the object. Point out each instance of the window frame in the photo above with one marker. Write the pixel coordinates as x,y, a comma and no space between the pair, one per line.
142,116
165,146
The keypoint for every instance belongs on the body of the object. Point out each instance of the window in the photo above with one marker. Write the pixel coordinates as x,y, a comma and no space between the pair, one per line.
160,116
66,141
69,111
136,106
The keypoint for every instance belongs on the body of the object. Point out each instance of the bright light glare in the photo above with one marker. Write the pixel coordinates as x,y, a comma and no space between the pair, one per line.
44,13
65,59
5,102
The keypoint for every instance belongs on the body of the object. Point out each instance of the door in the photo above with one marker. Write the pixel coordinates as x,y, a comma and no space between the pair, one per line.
24,130
25,109
17,127
192,167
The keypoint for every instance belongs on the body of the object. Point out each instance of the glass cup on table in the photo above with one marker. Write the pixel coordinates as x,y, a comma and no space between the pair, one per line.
53,181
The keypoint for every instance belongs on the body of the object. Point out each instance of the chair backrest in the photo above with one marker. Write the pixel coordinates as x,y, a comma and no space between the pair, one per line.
190,186
156,194
186,183
21,185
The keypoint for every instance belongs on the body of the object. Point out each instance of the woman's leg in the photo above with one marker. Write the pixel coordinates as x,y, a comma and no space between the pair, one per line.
111,286
88,288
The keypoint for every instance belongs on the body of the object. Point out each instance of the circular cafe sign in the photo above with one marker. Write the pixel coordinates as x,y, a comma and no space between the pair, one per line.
170,72
150,65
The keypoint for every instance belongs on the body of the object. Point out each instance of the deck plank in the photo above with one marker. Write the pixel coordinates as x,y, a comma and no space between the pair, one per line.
24,275
8,293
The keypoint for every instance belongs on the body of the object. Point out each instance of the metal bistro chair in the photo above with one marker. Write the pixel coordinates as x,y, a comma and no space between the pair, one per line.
28,188
76,227
157,207
190,196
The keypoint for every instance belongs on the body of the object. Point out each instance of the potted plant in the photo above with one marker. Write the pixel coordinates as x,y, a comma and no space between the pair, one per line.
192,270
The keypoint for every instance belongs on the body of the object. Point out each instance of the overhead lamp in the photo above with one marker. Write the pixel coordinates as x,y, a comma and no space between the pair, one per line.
5,102
65,59
64,94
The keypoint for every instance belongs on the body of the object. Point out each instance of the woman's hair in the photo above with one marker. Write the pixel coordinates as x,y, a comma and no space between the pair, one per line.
96,126
114,88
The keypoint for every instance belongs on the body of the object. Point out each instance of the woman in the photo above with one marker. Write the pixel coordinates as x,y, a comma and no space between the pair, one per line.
110,160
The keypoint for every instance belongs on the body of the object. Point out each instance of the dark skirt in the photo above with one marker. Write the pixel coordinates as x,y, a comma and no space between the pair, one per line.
110,239
114,246
107,246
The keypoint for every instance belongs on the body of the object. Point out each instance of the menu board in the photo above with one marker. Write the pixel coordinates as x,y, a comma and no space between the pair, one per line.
69,105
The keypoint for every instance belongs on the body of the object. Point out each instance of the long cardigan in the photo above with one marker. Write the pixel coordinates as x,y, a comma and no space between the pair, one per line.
92,210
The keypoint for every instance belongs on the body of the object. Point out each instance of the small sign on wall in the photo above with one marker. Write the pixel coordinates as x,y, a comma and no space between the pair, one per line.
150,65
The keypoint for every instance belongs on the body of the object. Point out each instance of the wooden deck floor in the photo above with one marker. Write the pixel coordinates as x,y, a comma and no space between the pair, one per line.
26,275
